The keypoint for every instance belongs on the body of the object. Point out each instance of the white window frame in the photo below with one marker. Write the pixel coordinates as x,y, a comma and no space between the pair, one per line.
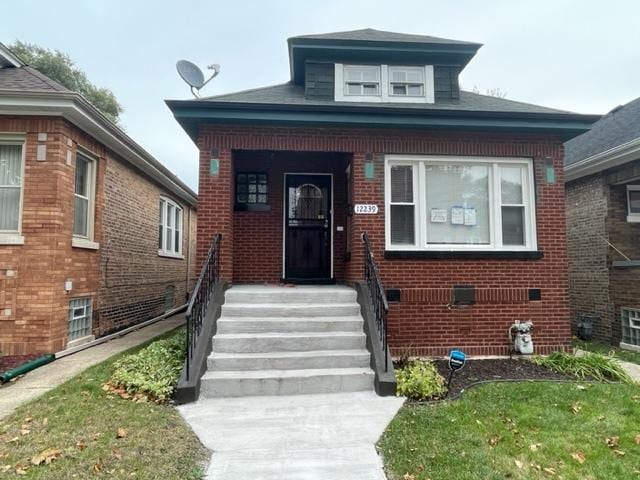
632,217
14,237
164,203
634,324
86,241
88,312
495,202
385,95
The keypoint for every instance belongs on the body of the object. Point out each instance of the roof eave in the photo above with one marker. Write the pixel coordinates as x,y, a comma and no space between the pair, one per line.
76,109
613,157
190,113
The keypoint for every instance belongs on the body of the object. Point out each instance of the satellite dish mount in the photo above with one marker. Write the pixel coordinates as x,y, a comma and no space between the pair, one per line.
193,76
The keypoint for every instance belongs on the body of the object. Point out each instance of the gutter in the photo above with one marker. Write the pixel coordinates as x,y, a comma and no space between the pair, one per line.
613,157
76,109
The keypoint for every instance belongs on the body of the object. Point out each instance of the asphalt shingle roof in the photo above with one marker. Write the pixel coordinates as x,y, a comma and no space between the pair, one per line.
619,126
371,35
27,78
291,94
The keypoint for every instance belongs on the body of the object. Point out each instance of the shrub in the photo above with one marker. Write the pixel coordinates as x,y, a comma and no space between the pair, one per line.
154,370
420,380
589,365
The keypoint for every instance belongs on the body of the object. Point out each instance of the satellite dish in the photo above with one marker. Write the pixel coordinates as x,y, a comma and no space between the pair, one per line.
193,76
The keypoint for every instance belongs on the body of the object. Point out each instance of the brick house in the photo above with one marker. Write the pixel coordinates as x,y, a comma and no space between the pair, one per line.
603,223
82,207
459,193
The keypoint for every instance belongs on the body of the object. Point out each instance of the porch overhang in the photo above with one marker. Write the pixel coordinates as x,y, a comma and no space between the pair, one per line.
191,113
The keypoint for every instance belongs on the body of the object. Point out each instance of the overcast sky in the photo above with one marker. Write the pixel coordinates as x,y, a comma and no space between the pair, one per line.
575,55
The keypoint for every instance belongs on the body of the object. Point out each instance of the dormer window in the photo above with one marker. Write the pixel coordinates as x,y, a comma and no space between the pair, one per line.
384,83
362,80
406,81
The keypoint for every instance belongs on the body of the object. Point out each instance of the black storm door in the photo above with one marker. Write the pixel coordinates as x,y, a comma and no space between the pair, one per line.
307,250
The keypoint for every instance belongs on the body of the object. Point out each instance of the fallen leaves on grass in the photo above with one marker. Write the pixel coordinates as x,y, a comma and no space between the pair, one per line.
619,453
575,408
519,464
534,446
122,393
612,442
122,432
637,439
46,456
578,457
493,441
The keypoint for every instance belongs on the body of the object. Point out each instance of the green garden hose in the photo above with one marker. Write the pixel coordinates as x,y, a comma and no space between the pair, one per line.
27,367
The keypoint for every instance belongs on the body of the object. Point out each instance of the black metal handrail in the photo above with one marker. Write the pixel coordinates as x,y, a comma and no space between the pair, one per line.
199,302
378,296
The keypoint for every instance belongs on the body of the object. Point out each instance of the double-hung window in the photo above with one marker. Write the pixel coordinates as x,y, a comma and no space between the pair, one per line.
459,203
631,327
633,203
84,197
11,187
384,83
406,81
169,228
362,80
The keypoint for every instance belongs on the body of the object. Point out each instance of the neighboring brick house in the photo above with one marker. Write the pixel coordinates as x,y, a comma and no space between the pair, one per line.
603,220
373,134
80,221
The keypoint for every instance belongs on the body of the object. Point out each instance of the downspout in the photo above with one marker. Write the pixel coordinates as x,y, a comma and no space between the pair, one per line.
186,287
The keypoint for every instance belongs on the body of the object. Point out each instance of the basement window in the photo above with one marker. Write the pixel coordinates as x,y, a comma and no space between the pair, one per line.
631,327
633,203
459,203
79,318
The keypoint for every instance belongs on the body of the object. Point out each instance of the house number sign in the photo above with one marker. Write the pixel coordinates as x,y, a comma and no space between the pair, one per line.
365,209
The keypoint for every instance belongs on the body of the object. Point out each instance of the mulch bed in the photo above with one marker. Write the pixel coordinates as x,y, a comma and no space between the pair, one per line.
12,361
496,369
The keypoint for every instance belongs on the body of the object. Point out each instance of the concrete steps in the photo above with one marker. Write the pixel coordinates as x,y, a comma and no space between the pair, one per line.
290,324
286,382
289,360
288,341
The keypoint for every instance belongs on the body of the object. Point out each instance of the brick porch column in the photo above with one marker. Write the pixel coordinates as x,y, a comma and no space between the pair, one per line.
215,206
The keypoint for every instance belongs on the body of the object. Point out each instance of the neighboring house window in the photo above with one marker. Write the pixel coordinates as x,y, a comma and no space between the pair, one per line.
631,326
169,228
459,203
384,83
11,183
79,318
633,203
251,188
84,197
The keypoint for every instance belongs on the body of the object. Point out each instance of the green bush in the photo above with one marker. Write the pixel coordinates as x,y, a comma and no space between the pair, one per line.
154,370
420,380
589,365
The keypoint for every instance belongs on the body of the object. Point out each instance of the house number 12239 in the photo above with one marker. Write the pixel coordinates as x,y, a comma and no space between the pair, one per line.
365,209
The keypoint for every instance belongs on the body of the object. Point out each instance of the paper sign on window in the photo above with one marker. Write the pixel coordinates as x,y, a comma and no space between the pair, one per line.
457,216
438,215
470,216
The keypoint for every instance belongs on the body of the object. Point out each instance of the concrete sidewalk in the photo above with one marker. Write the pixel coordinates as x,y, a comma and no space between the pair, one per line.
310,437
632,369
47,377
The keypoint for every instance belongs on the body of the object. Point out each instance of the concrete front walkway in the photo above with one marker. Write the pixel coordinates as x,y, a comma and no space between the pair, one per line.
301,437
49,376
632,369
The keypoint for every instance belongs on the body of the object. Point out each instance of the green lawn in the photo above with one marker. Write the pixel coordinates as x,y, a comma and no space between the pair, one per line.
626,355
519,431
93,434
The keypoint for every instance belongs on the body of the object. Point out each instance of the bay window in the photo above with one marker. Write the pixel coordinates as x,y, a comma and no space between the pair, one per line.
459,203
169,228
11,186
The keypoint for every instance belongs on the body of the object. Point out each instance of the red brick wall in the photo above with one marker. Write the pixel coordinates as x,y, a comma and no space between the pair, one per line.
421,321
32,276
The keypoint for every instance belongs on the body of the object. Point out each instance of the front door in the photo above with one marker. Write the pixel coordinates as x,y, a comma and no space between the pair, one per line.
307,225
